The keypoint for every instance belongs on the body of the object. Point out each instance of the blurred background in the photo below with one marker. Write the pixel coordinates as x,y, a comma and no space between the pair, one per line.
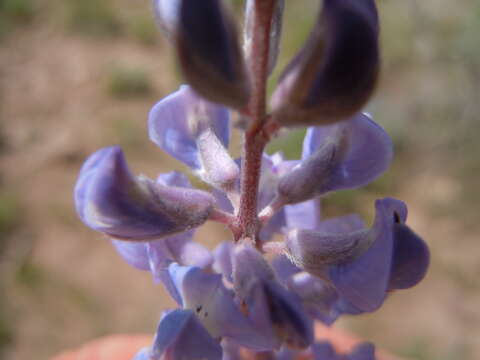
78,75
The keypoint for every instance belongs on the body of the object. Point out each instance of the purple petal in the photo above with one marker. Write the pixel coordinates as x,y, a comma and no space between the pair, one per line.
214,305
174,178
341,224
363,351
181,336
324,351
176,122
314,251
284,268
346,155
223,259
318,297
305,215
289,320
231,351
364,281
368,154
110,199
411,258
248,266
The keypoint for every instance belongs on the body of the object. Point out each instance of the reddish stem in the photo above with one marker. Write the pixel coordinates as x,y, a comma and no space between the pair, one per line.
255,138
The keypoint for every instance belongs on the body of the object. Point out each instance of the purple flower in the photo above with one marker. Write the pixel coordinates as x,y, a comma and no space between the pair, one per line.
285,266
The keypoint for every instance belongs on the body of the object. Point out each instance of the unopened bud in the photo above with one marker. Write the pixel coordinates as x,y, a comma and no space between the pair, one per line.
209,53
335,74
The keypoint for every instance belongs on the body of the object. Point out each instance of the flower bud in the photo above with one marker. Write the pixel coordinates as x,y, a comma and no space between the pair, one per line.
111,200
335,74
209,53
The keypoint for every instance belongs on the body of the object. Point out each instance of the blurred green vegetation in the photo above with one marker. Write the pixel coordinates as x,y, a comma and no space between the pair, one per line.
9,216
129,82
94,18
143,29
13,13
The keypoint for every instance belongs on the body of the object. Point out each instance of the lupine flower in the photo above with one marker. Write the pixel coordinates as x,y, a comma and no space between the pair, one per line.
286,266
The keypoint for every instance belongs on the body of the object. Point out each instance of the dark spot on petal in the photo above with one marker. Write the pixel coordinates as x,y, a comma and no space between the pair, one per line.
396,218
198,309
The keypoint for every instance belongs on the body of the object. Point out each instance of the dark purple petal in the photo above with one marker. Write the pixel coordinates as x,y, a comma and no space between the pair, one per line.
111,200
181,336
289,320
335,74
411,258
209,53
346,155
275,309
364,281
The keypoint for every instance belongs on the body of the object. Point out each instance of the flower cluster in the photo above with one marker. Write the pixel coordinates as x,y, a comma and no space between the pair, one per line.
285,267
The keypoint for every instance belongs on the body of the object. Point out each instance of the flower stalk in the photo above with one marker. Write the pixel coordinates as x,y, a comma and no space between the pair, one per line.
255,138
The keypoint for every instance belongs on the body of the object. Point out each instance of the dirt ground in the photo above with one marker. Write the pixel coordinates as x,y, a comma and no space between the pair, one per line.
64,284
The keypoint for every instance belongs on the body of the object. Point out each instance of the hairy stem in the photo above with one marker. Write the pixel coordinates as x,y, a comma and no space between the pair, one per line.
255,137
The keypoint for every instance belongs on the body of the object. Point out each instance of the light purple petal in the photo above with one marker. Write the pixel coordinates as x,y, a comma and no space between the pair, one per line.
284,268
346,155
305,215
214,305
314,251
181,336
367,155
318,297
223,259
341,224
111,200
249,266
176,122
